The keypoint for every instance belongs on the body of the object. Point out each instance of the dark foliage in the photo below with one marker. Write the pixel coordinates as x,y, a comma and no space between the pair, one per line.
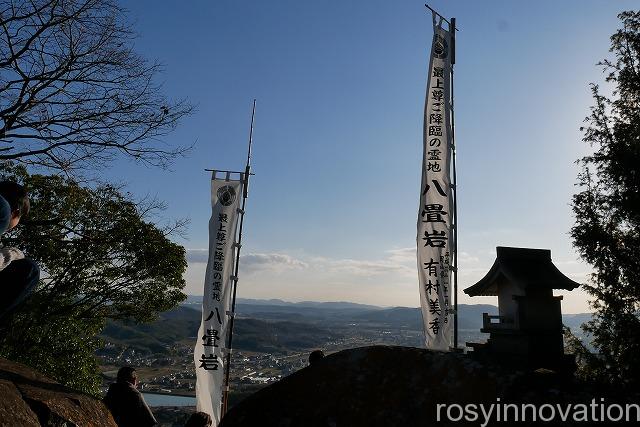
102,258
607,210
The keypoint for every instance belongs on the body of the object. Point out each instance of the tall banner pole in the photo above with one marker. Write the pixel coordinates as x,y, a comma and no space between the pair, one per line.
436,214
454,189
213,349
245,194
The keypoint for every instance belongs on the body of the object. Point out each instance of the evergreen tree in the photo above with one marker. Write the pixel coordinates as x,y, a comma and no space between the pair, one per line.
101,258
607,210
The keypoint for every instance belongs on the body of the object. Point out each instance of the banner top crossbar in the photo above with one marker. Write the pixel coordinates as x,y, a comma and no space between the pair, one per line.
443,18
220,170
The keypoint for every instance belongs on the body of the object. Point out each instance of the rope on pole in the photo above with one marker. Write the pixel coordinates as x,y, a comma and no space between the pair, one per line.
245,178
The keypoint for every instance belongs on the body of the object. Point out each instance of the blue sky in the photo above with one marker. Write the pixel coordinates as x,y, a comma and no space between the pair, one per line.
340,88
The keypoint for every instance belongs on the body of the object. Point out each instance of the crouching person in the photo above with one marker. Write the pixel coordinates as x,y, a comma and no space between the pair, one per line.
126,403
18,275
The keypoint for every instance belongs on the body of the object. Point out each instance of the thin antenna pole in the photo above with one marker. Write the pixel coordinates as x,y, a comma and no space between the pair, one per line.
455,192
245,193
248,168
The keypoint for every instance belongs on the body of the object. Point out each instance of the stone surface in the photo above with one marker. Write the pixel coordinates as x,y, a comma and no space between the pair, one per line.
28,398
391,386
172,416
13,410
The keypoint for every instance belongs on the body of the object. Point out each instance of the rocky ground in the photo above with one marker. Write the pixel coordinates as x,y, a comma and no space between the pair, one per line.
399,386
369,386
173,416
28,398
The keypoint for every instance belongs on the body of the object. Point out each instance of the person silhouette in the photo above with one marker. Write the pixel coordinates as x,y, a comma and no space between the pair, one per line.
126,403
18,275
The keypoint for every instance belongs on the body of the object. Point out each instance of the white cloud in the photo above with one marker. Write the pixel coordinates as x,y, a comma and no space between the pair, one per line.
397,261
197,255
467,258
387,280
403,255
367,268
251,261
274,262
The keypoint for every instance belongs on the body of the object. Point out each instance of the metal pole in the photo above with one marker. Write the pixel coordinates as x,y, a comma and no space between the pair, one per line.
248,168
443,18
225,396
455,191
432,10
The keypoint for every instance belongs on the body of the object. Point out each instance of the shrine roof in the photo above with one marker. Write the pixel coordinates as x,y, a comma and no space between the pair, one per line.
522,267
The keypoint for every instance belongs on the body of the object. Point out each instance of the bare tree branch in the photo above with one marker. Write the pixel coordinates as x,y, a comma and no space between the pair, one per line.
73,93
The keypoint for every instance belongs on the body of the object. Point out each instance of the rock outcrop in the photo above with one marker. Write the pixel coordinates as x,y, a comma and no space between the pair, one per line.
392,386
28,398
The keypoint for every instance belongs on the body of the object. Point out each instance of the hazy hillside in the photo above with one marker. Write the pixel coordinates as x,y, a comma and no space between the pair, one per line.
574,321
301,312
193,300
258,335
470,316
274,325
155,337
249,334
340,305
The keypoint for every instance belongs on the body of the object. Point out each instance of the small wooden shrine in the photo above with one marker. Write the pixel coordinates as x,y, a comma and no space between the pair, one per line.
528,329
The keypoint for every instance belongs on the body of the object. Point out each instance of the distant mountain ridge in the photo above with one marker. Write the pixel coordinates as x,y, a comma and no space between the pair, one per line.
276,325
469,315
183,322
197,299
251,306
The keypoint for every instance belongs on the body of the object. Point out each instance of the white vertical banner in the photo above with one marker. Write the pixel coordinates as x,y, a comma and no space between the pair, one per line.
435,234
210,350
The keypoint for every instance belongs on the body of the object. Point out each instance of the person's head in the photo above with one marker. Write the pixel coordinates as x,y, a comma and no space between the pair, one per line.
127,374
18,199
199,419
315,356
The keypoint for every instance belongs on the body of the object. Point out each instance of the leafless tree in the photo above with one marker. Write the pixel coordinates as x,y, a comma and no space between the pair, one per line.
73,92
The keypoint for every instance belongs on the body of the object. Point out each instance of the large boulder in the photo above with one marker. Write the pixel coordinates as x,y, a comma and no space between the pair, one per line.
28,398
390,386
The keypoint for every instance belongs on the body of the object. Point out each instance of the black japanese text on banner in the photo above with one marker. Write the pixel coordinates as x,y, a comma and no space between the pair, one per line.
435,236
213,334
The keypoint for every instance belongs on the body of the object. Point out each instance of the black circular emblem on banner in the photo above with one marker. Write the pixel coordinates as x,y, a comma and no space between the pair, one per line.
440,47
226,195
